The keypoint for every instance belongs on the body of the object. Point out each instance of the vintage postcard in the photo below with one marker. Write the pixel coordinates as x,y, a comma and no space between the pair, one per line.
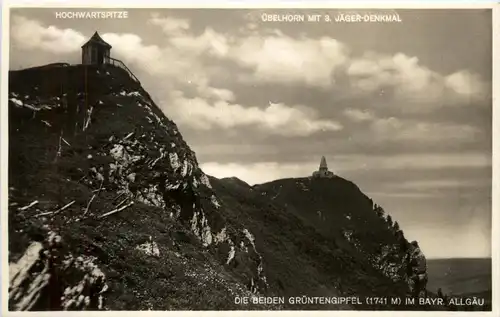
260,158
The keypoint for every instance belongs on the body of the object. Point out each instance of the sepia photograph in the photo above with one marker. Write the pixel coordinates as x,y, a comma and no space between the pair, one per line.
231,159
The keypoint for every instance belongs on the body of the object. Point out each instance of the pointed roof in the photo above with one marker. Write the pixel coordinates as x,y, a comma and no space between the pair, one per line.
96,39
322,164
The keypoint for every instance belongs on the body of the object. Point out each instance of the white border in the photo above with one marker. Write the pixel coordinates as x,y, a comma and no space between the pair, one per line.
4,155
495,190
353,4
242,5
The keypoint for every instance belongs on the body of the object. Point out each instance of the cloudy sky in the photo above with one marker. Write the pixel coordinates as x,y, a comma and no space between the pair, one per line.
402,109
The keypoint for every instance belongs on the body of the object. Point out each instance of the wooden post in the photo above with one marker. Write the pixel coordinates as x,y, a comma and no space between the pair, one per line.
86,97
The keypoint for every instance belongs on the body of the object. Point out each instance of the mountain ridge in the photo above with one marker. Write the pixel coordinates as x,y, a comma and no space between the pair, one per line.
109,210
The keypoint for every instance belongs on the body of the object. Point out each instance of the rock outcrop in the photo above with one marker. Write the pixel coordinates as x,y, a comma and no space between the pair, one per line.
49,277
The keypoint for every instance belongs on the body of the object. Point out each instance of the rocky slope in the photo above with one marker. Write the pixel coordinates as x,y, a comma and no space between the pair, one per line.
342,213
109,210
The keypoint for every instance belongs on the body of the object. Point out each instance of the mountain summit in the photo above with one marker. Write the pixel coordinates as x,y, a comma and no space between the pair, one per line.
109,210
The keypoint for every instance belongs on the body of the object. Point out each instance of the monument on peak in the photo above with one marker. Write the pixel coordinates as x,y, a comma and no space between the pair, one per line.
322,164
323,171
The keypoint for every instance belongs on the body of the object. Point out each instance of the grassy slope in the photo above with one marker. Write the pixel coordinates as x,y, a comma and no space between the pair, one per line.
185,276
299,254
340,203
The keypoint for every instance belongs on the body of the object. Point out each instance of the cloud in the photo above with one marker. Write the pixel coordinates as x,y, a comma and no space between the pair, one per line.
260,172
209,43
357,115
407,130
374,72
177,32
465,83
429,161
30,34
409,82
132,50
217,93
273,57
279,58
405,195
470,238
211,106
169,25
172,67
180,58
393,129
419,185
276,118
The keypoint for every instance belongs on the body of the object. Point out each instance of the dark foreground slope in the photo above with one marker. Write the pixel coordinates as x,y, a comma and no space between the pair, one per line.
109,210
84,142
